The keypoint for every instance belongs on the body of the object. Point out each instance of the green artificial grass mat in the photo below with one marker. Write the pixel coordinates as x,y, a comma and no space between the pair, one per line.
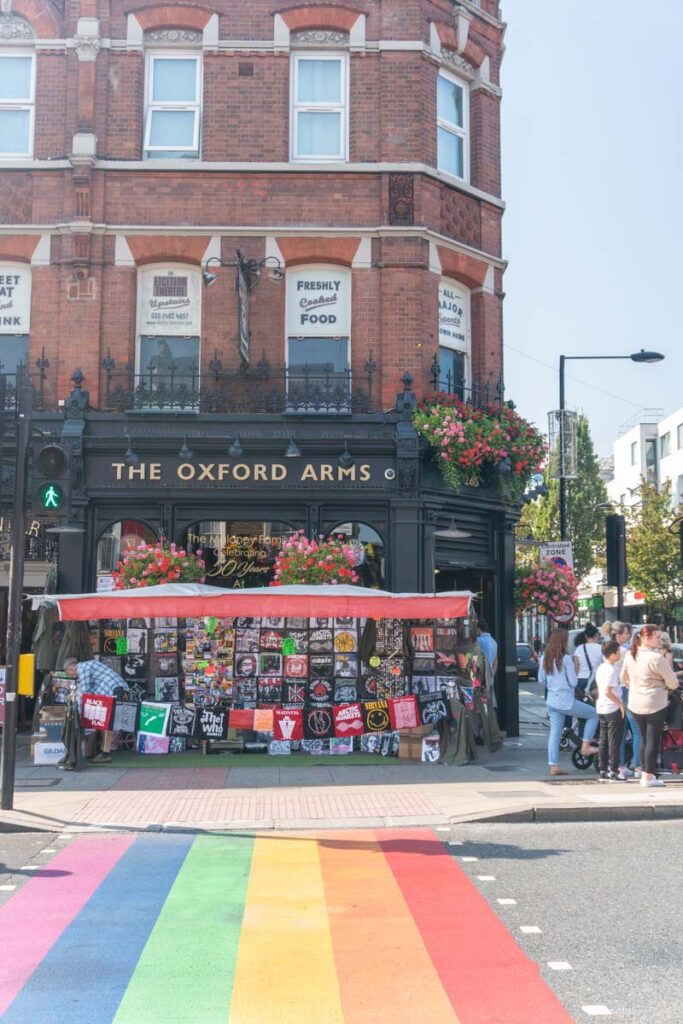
227,760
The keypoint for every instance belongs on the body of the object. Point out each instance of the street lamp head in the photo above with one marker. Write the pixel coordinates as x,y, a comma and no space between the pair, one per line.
208,278
276,274
646,357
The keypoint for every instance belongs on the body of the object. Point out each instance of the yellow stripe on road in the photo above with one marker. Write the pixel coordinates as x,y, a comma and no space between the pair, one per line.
285,970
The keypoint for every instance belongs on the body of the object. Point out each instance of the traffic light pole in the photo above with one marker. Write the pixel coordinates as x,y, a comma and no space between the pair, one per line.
16,586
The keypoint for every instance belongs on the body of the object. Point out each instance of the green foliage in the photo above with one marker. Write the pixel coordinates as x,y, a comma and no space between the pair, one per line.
585,523
652,550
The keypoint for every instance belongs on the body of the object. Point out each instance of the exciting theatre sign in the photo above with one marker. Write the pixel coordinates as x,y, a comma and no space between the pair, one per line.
170,473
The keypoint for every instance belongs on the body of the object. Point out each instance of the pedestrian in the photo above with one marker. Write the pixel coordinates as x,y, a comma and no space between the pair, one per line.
538,645
587,656
649,678
558,675
621,632
606,631
95,677
488,646
611,711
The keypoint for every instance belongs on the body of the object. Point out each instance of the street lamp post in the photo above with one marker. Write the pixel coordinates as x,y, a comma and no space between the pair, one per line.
636,357
247,277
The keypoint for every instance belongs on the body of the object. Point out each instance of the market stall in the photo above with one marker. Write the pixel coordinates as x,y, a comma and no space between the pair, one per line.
316,668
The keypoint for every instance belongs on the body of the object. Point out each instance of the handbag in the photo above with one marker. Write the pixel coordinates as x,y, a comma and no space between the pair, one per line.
590,682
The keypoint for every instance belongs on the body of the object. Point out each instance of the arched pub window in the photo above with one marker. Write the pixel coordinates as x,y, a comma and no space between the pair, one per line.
370,551
238,554
113,541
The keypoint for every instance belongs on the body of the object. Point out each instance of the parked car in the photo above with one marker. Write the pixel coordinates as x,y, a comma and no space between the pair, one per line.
527,662
677,654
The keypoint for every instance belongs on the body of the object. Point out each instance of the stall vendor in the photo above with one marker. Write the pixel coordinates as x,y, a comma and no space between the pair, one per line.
94,677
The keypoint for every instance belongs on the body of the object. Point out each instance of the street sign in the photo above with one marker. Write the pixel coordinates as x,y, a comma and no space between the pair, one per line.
51,497
559,552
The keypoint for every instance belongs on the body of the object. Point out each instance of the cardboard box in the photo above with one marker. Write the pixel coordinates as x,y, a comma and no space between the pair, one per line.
410,744
45,752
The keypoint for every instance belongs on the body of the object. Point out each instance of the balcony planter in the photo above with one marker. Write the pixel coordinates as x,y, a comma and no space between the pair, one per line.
480,446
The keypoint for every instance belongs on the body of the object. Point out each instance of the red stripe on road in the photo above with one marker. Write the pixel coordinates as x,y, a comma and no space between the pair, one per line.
485,973
33,919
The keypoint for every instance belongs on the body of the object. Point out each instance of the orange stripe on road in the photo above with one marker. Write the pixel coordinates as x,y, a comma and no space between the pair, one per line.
384,971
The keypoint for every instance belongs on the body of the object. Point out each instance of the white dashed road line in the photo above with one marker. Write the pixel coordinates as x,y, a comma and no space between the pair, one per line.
592,1010
7,888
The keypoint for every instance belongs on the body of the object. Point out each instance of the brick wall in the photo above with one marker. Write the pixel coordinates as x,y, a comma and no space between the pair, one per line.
84,305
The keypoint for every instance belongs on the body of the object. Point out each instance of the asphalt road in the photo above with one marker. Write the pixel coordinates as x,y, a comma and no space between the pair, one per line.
608,901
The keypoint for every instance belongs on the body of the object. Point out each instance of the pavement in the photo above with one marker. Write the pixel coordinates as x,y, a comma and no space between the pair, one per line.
511,785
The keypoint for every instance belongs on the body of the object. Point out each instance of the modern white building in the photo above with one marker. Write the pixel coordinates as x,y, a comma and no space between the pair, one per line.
649,447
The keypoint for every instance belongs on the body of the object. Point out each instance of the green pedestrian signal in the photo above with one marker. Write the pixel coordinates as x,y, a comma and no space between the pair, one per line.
51,497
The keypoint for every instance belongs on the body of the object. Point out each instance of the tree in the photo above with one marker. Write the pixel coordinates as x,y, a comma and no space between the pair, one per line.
585,522
652,550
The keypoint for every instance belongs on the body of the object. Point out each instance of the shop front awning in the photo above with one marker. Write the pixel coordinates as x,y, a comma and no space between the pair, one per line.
197,600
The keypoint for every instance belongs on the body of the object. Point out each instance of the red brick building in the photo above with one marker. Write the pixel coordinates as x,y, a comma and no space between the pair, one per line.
351,149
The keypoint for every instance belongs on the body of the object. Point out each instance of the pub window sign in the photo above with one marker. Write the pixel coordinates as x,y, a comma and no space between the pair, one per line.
15,299
318,303
453,326
169,301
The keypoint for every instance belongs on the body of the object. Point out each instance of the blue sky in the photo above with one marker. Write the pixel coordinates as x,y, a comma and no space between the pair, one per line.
592,147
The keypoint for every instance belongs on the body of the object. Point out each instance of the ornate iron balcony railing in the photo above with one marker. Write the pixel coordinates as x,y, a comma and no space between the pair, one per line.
258,389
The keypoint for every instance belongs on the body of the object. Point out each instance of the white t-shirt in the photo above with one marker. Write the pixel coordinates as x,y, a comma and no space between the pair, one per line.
607,677
589,657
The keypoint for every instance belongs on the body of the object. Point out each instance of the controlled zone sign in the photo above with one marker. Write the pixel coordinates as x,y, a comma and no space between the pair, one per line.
558,552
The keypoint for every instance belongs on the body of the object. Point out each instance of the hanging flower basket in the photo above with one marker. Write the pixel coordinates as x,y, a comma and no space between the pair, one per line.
549,588
301,560
470,442
150,564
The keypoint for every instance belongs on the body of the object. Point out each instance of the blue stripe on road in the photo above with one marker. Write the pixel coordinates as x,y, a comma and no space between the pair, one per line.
84,976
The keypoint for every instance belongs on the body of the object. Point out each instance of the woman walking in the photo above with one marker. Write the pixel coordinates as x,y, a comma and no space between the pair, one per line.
558,675
649,677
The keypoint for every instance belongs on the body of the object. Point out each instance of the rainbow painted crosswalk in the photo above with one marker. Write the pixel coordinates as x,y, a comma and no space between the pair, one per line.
334,928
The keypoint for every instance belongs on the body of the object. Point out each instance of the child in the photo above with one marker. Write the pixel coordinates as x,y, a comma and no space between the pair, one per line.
611,710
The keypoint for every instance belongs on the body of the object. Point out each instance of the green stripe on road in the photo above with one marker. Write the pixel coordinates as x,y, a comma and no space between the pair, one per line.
187,968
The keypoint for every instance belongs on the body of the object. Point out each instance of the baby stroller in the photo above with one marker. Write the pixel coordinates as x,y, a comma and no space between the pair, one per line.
671,754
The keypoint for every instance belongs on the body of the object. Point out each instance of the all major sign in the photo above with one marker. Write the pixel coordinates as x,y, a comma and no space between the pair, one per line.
559,552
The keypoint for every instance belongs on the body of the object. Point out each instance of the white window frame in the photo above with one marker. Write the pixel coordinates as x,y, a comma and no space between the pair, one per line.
157,152
665,445
634,453
23,104
466,348
342,107
455,129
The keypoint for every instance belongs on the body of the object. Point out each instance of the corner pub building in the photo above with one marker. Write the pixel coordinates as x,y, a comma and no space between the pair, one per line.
238,243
